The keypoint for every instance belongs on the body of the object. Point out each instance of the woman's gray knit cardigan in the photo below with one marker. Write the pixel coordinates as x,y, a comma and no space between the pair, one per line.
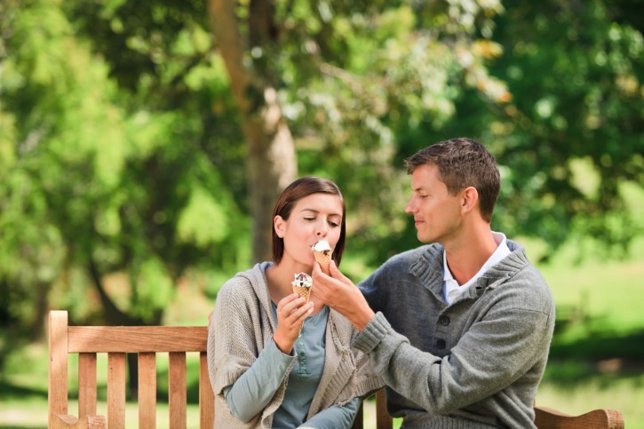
242,325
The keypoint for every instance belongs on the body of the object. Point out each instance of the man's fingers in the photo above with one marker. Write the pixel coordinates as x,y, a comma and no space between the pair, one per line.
336,274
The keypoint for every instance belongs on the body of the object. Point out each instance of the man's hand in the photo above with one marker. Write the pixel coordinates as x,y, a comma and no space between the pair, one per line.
339,293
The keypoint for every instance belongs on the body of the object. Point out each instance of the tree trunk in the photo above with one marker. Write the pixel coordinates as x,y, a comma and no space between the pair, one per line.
271,164
116,317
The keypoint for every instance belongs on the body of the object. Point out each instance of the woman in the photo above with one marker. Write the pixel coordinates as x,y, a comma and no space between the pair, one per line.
275,360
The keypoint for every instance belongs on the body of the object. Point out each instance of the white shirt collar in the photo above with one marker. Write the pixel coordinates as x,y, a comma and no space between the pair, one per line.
451,288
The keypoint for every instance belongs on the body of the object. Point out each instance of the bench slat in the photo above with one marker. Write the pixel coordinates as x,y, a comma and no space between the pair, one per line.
57,388
86,384
136,339
147,390
206,397
383,419
177,390
116,390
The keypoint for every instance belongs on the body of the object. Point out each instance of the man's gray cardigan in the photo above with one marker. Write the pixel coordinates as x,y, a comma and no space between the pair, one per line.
475,363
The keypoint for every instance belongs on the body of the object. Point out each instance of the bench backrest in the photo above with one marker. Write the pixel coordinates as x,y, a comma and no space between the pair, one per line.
116,341
146,342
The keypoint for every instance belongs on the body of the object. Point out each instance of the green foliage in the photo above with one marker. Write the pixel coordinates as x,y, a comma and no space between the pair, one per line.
92,186
121,148
153,289
575,72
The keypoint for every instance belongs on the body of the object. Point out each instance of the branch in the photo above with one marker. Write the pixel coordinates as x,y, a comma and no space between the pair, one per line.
231,46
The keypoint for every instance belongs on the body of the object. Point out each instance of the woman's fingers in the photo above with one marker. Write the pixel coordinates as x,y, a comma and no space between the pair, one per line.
302,313
293,309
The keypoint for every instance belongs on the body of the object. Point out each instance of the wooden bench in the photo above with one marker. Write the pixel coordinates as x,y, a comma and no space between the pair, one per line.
177,341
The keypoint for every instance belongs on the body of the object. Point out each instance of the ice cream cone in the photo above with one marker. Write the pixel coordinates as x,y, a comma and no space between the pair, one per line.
322,253
302,284
324,259
304,292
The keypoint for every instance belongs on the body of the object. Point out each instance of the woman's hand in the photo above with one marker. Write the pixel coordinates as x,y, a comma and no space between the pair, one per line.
291,312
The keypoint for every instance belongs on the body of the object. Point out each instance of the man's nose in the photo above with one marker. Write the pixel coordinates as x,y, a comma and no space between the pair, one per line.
410,207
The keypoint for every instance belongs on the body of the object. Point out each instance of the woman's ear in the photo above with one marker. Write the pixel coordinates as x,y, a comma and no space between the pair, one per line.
280,225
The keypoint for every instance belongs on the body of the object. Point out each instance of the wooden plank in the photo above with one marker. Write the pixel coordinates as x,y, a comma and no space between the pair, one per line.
383,419
206,397
136,339
116,390
358,423
596,419
57,380
86,384
147,390
177,390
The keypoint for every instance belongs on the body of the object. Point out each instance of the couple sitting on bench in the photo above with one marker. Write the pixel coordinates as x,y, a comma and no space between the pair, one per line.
458,329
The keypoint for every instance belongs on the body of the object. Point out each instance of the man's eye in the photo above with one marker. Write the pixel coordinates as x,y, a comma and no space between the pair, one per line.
309,219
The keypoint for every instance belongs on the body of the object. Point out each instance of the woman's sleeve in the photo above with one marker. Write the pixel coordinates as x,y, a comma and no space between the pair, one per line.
254,389
334,417
237,369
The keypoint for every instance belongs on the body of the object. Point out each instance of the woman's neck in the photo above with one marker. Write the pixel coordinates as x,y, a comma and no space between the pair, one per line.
279,278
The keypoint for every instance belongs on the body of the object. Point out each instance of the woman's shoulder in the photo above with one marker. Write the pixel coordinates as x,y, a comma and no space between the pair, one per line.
242,284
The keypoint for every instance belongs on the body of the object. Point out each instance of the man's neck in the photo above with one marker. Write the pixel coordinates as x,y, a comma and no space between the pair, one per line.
466,255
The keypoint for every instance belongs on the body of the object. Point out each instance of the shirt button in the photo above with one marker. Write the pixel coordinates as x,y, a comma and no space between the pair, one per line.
440,343
443,320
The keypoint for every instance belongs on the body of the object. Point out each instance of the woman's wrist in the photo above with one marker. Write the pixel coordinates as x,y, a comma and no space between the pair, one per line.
282,344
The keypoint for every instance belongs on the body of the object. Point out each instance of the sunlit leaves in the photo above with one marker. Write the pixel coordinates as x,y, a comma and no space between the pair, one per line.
203,221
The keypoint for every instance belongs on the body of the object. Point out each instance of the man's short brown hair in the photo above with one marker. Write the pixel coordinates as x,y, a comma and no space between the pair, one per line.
463,162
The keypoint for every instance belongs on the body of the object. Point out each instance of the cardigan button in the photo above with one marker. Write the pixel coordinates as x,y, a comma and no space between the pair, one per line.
440,343
443,320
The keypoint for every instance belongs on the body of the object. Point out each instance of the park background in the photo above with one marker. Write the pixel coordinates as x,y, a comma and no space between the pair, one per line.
142,145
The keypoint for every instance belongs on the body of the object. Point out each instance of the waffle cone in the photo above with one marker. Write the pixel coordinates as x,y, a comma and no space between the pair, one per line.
304,292
324,260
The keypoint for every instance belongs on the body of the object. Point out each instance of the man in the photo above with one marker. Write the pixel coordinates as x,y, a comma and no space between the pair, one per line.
460,328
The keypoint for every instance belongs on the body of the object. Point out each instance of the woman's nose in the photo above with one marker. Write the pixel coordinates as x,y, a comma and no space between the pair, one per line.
321,230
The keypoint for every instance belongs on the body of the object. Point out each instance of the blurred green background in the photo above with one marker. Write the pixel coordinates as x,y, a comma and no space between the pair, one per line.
142,145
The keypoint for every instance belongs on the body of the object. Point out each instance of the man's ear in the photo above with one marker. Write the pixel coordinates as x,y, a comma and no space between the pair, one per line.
470,199
280,225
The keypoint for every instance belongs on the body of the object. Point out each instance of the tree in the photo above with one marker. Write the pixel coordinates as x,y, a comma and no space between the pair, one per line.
293,67
271,163
570,137
91,188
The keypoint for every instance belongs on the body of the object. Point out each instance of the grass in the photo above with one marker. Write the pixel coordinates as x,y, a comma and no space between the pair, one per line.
596,360
597,356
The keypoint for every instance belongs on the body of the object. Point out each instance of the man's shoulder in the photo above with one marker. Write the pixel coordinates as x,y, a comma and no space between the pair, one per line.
424,254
